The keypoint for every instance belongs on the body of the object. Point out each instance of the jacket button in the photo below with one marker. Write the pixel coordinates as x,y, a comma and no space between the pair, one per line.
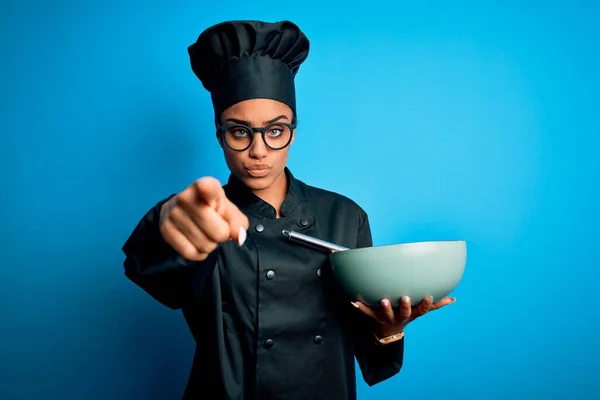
259,228
303,222
270,274
319,272
269,343
318,339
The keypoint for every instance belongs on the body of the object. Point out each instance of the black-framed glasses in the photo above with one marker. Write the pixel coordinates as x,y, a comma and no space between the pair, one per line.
238,137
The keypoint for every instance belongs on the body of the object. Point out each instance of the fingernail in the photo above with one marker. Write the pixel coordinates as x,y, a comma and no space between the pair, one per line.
354,304
405,299
385,302
241,236
453,300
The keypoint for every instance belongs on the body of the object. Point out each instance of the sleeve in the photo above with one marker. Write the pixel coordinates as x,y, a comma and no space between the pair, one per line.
153,265
377,362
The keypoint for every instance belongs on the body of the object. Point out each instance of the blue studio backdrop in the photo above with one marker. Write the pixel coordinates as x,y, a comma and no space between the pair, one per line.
444,120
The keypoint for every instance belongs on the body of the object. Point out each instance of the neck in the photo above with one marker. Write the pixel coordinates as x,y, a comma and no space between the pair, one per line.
275,194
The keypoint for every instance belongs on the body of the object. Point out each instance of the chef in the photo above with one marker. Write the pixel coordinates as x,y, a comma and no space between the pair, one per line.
267,316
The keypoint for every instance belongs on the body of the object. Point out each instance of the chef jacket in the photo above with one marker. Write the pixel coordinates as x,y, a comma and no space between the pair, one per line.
268,318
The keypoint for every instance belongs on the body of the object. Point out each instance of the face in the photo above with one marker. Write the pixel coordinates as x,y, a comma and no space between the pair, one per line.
259,166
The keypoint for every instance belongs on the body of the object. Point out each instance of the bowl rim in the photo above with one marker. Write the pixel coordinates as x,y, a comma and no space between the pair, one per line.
407,244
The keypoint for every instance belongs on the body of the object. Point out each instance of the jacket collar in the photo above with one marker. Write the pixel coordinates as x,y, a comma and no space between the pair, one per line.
243,197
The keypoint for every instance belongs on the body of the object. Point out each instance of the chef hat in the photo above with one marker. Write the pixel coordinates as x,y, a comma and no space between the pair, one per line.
242,60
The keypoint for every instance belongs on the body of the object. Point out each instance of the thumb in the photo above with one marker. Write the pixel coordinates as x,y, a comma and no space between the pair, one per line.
238,222
210,191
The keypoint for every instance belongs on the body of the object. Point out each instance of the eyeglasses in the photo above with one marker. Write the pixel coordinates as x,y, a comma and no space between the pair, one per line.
276,136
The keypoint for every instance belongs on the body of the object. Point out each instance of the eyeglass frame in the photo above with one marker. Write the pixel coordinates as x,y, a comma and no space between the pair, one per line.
222,129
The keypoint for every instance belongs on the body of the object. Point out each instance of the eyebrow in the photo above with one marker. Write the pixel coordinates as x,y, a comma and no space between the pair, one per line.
242,122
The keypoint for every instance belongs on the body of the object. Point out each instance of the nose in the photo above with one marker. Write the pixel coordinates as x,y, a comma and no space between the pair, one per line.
258,148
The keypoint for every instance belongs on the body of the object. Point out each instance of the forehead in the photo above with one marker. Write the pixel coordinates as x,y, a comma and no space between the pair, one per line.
257,111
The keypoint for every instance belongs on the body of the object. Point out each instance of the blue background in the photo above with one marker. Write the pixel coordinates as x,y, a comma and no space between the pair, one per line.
444,120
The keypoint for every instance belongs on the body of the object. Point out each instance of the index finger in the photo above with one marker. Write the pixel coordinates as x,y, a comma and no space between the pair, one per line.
210,191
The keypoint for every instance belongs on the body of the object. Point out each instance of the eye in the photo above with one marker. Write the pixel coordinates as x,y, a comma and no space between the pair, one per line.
275,131
238,132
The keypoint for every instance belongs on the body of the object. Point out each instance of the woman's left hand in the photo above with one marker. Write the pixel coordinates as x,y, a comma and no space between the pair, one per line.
391,322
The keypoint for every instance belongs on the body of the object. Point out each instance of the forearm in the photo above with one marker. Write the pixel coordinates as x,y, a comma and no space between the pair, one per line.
377,362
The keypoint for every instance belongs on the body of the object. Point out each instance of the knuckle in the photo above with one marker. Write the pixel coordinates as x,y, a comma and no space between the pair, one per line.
186,197
222,232
166,229
202,212
176,214
206,247
215,228
182,197
188,252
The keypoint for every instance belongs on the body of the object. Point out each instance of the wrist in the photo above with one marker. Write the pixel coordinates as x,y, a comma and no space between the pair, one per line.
385,334
384,331
383,340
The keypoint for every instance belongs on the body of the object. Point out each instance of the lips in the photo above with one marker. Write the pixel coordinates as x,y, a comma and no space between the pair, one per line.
258,170
258,167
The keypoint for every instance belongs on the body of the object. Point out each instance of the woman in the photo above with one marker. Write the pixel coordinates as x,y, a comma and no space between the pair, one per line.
266,314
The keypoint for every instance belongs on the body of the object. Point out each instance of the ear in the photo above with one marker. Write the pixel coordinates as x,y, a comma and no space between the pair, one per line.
219,139
293,137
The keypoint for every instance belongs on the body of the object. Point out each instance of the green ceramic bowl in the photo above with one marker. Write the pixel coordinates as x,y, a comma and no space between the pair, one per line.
416,270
